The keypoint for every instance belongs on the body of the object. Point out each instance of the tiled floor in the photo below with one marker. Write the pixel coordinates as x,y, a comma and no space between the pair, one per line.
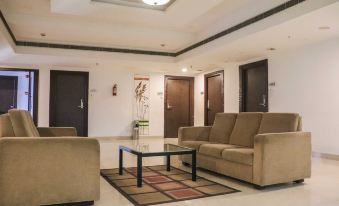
322,189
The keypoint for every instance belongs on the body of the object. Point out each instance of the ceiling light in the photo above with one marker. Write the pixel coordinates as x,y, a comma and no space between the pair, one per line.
324,28
184,69
156,2
271,49
43,34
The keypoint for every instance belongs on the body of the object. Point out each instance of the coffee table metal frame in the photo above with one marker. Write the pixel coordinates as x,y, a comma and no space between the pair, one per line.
166,154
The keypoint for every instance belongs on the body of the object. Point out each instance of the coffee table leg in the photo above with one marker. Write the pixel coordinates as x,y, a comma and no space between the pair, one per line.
194,166
139,171
120,162
168,163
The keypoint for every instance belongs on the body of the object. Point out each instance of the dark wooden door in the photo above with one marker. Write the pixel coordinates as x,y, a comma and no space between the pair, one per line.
254,87
214,96
179,105
8,93
69,100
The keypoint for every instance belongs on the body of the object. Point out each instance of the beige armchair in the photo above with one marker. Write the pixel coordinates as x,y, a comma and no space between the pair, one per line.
39,168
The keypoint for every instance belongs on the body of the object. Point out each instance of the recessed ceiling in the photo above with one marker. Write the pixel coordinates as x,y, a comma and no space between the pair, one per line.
137,4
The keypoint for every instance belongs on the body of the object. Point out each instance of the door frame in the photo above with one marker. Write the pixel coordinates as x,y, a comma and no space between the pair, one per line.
52,100
191,105
35,90
216,73
242,83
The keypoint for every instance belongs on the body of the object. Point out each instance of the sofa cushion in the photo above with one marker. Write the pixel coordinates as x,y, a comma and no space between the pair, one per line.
23,124
6,129
279,122
214,150
222,128
193,144
239,155
245,128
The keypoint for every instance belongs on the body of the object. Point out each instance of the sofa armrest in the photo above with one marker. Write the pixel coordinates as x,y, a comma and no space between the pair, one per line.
45,171
281,158
194,133
57,131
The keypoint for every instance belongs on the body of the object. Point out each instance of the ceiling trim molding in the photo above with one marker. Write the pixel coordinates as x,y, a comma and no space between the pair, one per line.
223,33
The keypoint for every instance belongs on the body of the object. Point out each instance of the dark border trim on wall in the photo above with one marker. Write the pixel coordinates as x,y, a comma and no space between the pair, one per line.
191,105
225,32
35,90
242,84
221,72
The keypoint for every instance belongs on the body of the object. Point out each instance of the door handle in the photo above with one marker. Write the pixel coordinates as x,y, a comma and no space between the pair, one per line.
263,101
208,104
169,106
81,106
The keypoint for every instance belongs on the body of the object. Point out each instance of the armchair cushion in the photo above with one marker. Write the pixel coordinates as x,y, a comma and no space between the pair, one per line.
57,131
239,155
246,127
6,129
23,124
279,122
193,144
215,149
222,128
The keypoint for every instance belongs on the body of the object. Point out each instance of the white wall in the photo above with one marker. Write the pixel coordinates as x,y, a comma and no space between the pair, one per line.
109,115
307,82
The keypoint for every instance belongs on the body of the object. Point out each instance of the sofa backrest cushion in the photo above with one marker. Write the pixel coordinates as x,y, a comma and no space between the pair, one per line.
23,124
279,122
6,129
245,128
222,127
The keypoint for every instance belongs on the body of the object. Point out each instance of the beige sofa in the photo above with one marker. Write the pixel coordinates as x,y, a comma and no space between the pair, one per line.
259,148
39,167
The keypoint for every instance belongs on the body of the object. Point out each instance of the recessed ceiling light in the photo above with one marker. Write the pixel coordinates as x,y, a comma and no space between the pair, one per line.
162,45
156,2
271,49
324,28
184,69
43,34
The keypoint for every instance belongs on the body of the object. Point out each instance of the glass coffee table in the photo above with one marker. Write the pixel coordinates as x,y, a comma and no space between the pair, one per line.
167,150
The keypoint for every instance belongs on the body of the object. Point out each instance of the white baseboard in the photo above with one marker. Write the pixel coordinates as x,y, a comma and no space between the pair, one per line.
326,156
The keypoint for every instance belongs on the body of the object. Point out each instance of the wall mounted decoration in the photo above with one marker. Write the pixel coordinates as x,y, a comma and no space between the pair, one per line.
141,102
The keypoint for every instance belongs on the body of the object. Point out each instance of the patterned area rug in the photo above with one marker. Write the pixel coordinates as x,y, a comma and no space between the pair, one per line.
160,186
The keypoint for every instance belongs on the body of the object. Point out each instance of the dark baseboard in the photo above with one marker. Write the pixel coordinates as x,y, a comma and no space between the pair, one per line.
86,203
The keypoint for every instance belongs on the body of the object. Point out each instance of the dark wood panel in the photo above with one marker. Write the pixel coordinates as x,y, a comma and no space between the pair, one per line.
8,93
214,96
69,100
254,87
179,106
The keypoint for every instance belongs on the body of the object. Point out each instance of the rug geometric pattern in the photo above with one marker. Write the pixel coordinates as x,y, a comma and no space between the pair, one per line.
160,186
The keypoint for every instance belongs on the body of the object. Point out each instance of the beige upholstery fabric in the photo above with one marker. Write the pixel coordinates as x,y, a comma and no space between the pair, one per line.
194,133
264,159
193,144
239,155
57,131
45,171
214,150
222,128
6,129
281,157
246,127
23,124
279,122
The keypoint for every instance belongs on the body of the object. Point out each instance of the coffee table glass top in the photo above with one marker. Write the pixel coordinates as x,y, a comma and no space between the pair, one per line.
149,149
